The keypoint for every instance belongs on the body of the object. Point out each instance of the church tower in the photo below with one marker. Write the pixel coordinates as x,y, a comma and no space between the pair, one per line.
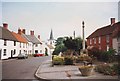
51,40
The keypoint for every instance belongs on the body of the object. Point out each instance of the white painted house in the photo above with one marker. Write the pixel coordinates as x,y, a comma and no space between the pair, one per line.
21,44
36,44
7,43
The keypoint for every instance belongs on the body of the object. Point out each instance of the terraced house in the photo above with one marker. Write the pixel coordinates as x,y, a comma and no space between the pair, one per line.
103,38
7,43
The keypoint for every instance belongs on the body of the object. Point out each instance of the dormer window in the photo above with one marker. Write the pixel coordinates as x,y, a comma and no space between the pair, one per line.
5,42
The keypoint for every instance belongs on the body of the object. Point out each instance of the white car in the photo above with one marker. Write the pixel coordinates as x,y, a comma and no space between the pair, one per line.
22,56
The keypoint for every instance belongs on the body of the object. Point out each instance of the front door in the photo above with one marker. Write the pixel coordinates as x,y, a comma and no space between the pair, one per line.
11,53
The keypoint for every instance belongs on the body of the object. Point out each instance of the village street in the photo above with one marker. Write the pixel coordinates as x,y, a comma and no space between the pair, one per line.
21,68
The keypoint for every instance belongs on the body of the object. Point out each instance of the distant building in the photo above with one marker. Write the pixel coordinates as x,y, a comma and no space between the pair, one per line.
36,44
51,42
103,38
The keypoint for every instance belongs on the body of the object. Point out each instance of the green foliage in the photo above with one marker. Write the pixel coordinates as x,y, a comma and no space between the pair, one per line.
106,56
60,47
59,41
73,44
107,69
57,60
68,60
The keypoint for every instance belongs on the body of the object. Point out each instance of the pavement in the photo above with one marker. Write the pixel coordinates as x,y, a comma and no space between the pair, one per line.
46,71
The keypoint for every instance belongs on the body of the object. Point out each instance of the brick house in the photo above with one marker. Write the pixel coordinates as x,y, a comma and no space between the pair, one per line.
102,38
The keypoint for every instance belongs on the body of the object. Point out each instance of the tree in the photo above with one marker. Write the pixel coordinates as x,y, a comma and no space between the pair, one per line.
73,44
60,47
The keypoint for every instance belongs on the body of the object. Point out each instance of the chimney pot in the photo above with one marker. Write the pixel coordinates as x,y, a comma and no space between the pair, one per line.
38,36
112,21
5,25
19,31
31,32
23,31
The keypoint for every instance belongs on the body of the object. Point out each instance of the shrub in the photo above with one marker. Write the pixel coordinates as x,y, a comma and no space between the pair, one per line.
57,60
68,60
106,56
107,69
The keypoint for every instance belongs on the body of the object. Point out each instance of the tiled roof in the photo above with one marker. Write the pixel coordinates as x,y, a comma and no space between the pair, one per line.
33,39
6,34
104,31
23,35
19,37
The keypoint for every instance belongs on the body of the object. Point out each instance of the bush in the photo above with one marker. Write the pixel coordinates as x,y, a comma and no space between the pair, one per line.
57,60
107,69
106,56
68,60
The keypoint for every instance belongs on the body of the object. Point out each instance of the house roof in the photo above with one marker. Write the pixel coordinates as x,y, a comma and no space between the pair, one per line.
104,31
6,34
23,35
19,37
33,39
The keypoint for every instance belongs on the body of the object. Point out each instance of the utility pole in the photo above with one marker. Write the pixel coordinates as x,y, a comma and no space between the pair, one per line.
83,35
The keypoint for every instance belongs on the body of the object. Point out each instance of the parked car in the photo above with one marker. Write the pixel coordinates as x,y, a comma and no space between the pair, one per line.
22,56
38,55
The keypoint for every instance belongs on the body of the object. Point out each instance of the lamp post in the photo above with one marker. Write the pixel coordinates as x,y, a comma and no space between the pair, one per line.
83,36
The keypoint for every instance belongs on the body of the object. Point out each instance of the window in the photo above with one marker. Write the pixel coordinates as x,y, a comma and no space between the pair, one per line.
20,44
99,40
107,47
26,45
94,40
4,52
23,45
99,47
36,51
14,43
90,41
107,38
20,52
14,51
36,45
40,51
5,42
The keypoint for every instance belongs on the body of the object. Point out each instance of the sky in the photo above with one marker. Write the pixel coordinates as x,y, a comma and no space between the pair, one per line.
62,17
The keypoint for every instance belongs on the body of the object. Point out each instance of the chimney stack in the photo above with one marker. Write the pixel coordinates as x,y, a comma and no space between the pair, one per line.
5,25
19,31
38,36
112,21
31,32
23,31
